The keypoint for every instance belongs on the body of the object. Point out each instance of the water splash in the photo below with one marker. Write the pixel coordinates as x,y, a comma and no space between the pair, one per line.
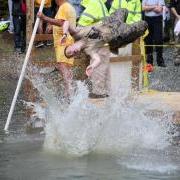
83,127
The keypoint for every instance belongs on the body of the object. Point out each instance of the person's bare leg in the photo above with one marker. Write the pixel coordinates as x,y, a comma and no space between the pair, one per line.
40,27
66,72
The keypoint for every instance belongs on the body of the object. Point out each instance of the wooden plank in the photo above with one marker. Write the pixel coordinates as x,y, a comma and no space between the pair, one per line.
43,37
43,64
136,48
169,99
133,58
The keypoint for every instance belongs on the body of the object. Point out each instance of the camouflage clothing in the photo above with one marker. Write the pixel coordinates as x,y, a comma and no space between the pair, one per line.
113,30
116,33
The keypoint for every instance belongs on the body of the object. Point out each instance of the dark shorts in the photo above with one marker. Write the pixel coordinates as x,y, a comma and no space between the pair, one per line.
46,11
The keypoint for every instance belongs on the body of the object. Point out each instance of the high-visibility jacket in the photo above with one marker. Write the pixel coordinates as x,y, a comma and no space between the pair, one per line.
116,4
134,11
133,7
84,3
94,12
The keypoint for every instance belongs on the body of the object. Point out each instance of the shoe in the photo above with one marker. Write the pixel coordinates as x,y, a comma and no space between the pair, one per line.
49,43
10,31
177,62
149,58
17,50
160,61
22,51
149,68
126,33
39,44
161,65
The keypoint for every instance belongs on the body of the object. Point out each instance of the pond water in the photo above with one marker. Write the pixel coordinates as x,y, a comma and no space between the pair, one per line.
129,145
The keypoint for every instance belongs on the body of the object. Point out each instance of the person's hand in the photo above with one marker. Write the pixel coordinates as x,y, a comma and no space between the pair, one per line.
74,48
89,70
178,17
158,9
40,15
63,39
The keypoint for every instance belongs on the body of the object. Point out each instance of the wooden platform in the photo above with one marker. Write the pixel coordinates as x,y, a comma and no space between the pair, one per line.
165,101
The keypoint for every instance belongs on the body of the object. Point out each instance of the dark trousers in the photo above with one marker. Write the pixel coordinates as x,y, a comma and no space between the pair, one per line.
19,32
155,37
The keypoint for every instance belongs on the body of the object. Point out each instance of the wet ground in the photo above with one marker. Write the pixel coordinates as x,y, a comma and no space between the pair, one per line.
166,79
22,155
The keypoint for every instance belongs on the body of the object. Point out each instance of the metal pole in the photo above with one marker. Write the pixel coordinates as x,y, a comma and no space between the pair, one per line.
23,68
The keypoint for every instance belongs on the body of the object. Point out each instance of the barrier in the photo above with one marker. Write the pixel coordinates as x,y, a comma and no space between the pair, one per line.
126,68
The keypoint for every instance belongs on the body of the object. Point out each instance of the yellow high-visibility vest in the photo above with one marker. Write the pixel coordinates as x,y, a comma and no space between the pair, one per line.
116,4
133,7
94,12
84,3
134,11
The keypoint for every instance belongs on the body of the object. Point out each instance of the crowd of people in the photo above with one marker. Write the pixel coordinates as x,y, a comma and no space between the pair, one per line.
67,19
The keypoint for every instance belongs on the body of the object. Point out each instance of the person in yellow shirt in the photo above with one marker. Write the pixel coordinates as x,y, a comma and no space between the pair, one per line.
48,12
65,13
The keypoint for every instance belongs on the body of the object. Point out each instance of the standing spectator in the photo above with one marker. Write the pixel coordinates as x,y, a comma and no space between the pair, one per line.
19,21
175,8
47,10
66,13
11,27
153,16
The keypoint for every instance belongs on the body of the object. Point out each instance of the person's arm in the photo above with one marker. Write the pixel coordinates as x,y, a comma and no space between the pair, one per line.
173,10
95,64
65,26
56,22
148,7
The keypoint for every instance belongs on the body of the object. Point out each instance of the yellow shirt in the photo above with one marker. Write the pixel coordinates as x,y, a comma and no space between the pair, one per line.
47,3
66,12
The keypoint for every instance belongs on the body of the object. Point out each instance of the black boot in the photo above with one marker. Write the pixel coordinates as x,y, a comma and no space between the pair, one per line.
126,33
160,61
150,59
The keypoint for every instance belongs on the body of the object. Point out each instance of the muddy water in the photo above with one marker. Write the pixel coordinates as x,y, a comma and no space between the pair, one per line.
23,156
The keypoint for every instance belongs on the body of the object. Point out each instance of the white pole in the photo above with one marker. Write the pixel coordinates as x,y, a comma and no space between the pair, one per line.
23,68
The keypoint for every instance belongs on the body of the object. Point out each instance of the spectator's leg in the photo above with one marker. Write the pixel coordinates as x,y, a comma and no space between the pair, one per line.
17,32
48,28
66,71
23,34
149,40
158,40
11,27
177,52
40,28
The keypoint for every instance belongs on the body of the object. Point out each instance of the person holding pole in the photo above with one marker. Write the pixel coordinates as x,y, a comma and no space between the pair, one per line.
23,71
66,12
